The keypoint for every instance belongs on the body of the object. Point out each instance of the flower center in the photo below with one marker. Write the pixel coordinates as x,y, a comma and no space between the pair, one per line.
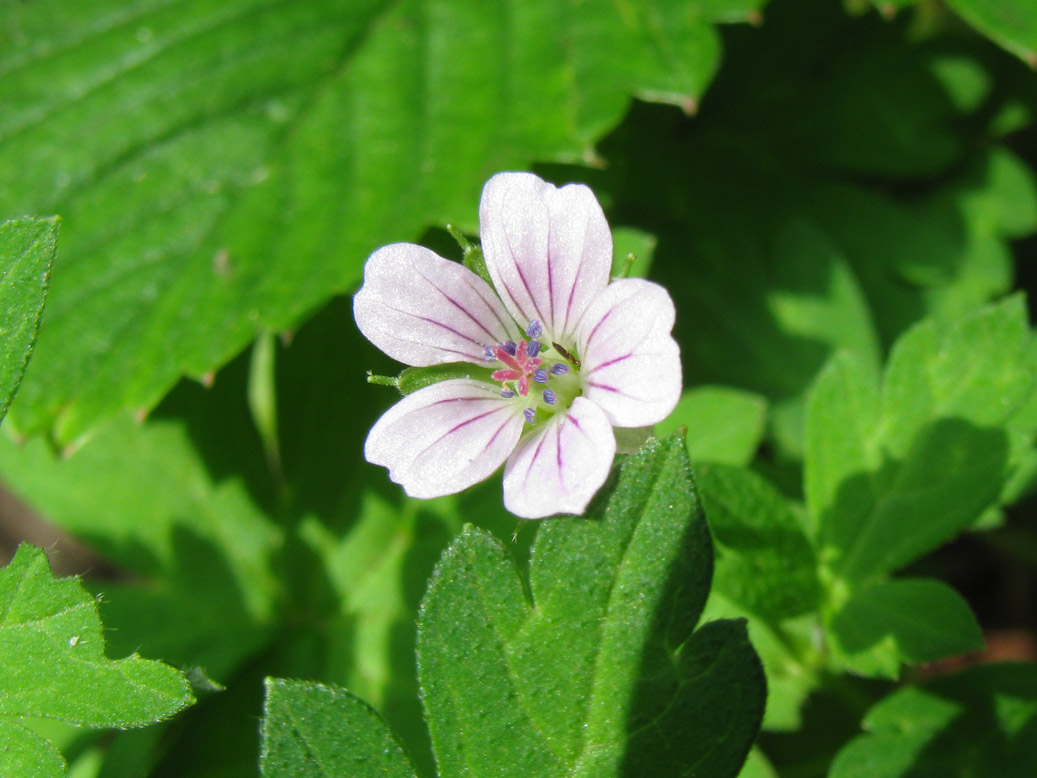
526,375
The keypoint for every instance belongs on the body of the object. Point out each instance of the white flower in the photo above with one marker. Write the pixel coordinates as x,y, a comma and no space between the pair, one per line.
572,355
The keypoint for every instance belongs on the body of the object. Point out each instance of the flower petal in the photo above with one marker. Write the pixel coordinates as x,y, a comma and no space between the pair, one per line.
421,309
559,468
445,437
631,365
548,250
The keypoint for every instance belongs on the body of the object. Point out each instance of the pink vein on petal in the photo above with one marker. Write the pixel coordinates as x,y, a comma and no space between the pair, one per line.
522,278
540,444
608,388
550,279
607,364
464,423
596,326
579,272
465,310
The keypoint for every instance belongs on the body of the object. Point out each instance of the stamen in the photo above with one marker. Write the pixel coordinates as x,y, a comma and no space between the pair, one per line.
533,348
534,329
559,368
488,354
540,376
550,397
506,393
530,414
510,346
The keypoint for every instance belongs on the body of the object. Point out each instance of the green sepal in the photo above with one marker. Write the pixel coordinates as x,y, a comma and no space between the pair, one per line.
414,378
472,257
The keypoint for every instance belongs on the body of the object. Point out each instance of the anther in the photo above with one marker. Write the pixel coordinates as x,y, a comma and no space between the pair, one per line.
488,354
533,348
530,414
559,368
510,346
507,394
534,329
540,376
550,397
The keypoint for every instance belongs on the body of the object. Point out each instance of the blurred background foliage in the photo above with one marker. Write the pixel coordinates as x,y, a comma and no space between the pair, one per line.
805,176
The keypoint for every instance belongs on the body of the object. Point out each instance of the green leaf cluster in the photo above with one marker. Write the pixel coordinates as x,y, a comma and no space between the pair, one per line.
591,667
839,201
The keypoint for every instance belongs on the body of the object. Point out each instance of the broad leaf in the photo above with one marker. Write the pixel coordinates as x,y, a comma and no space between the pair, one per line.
26,254
596,671
53,665
902,621
981,722
311,729
224,167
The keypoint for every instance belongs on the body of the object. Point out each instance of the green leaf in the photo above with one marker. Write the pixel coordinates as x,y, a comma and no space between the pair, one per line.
788,654
596,671
27,248
25,753
311,729
980,370
223,168
143,495
52,642
1009,23
764,561
733,442
980,722
757,766
842,414
903,620
890,476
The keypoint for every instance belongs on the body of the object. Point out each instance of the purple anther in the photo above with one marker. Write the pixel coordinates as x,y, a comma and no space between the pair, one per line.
530,414
507,394
488,354
533,348
534,329
559,368
540,376
510,346
550,397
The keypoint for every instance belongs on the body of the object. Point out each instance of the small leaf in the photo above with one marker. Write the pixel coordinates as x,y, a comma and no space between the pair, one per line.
842,414
765,562
891,475
978,723
312,729
143,496
903,620
27,249
25,754
51,645
600,674
735,441
1009,23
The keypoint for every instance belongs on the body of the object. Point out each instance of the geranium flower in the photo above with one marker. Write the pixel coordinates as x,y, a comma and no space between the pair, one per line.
571,355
